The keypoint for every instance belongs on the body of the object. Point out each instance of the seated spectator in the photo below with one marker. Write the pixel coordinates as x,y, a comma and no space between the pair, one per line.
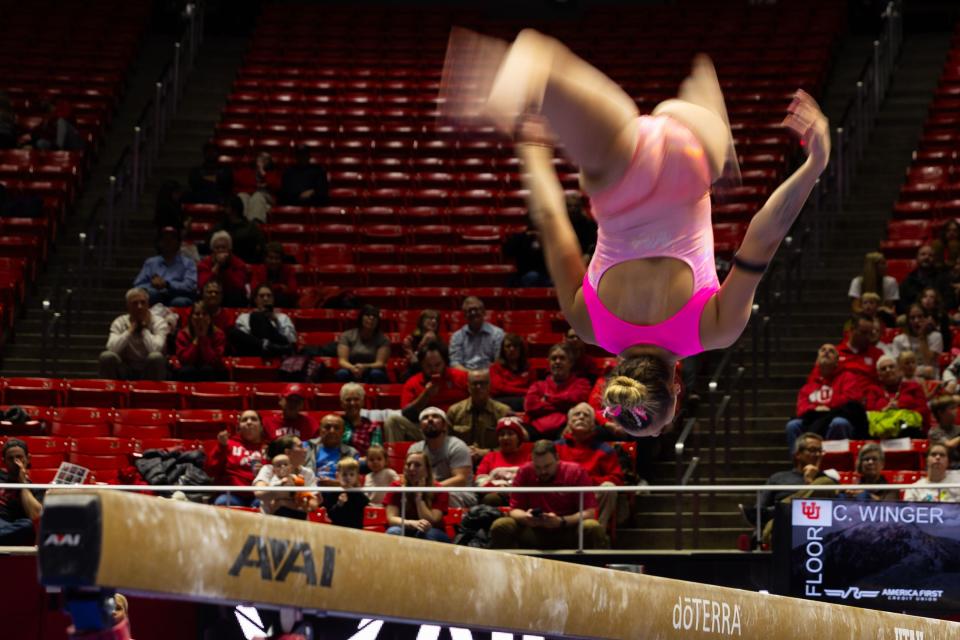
379,474
510,375
584,365
169,278
937,460
236,460
894,393
363,428
830,403
549,520
946,432
526,252
291,419
449,457
249,243
135,347
304,184
212,297
948,285
264,331
907,361
200,348
347,510
168,210
437,384
946,248
807,455
870,467
210,182
257,187
874,279
474,420
57,130
548,401
921,337
582,446
870,307
287,457
936,314
362,352
858,353
225,268
499,467
8,123
325,451
428,330
278,274
926,275
19,508
424,511
476,344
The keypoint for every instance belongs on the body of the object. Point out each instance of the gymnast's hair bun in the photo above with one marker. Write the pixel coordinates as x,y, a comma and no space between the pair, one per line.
624,391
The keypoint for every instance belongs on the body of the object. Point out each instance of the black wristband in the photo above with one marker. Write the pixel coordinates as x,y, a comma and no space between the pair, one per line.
752,267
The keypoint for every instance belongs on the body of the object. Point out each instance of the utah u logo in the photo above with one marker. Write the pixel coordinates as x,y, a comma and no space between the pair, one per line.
810,510
277,558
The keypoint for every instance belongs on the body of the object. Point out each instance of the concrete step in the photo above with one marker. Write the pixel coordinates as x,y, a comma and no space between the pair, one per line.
664,538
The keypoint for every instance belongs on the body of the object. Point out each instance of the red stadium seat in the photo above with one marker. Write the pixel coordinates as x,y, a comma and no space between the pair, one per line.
145,444
254,369
397,455
203,424
33,391
899,269
79,422
101,453
95,393
147,394
142,423
217,395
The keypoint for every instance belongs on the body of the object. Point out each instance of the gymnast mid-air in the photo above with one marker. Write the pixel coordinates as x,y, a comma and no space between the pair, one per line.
650,294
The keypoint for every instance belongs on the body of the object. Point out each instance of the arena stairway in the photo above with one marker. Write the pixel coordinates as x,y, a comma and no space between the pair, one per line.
95,308
761,451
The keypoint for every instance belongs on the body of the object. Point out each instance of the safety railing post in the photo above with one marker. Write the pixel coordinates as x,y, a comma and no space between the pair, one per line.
107,246
158,118
136,170
44,334
580,522
403,514
175,93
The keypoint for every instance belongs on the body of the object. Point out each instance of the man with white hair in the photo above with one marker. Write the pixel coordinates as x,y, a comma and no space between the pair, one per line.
893,392
449,457
362,427
135,347
226,268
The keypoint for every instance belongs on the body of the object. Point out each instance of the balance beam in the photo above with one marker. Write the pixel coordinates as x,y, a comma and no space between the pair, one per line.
139,544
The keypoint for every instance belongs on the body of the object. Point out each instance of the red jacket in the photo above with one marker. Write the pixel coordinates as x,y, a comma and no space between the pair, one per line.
453,389
245,180
547,403
864,363
909,395
598,459
285,283
233,278
206,352
833,391
504,382
236,463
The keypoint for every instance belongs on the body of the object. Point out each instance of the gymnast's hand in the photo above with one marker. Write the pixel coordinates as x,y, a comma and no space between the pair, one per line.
806,120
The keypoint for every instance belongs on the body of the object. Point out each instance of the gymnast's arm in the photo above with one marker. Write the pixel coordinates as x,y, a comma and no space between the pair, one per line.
771,224
548,211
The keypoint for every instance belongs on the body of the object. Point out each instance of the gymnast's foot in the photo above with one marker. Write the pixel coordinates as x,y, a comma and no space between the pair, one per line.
702,88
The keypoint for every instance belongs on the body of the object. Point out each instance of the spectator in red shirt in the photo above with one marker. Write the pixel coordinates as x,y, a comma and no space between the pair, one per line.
582,446
226,268
236,459
200,348
499,467
424,511
510,375
436,385
584,365
858,353
276,273
213,299
290,421
830,404
549,520
257,186
893,392
548,401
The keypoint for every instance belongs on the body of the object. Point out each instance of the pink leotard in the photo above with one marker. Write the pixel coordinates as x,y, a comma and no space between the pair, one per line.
660,208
